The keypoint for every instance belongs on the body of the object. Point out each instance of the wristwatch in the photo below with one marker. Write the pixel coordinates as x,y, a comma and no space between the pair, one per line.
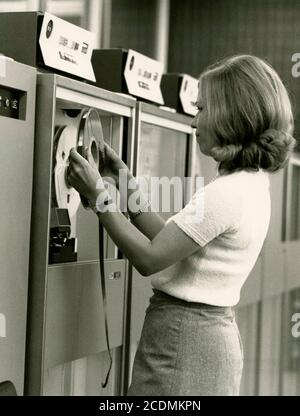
144,208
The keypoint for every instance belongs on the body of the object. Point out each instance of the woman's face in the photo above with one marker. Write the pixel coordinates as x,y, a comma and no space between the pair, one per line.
204,139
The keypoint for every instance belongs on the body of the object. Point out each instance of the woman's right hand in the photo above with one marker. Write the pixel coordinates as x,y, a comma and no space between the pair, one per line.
112,164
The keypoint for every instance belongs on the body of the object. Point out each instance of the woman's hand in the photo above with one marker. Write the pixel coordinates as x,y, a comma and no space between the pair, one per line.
112,166
84,176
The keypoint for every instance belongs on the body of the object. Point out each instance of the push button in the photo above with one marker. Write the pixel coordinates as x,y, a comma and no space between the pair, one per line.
14,104
114,275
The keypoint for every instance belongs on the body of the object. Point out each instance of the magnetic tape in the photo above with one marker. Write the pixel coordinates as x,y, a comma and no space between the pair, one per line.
86,135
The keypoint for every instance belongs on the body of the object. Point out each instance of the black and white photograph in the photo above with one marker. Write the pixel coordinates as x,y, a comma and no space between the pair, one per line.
149,202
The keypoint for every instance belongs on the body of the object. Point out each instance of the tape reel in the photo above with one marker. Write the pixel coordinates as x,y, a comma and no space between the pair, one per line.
87,137
90,140
65,196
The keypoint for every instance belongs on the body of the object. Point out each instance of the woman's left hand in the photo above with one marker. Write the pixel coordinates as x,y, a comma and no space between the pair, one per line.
84,177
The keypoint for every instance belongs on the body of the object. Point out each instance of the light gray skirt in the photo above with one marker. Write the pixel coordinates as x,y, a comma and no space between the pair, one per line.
187,348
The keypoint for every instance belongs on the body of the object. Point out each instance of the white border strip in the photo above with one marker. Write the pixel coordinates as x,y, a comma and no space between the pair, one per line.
90,101
2,66
164,122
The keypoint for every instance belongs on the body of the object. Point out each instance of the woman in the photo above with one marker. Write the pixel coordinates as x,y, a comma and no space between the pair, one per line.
190,344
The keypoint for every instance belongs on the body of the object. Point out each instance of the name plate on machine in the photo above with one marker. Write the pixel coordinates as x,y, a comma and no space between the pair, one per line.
188,94
143,76
67,47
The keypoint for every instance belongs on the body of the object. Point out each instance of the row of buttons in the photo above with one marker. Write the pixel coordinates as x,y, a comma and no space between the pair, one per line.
7,103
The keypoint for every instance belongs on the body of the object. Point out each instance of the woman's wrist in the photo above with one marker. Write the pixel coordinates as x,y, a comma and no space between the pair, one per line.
143,207
137,202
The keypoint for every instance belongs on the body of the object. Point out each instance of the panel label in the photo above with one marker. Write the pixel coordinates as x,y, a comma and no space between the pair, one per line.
143,77
67,47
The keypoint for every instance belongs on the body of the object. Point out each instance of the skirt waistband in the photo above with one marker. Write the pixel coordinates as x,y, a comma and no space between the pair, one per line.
160,297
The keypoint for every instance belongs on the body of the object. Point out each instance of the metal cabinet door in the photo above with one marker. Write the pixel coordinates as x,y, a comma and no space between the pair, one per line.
16,167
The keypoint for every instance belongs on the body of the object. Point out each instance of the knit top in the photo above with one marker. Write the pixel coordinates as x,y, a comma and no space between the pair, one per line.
229,219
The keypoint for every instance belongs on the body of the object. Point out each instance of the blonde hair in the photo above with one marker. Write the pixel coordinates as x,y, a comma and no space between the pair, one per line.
249,113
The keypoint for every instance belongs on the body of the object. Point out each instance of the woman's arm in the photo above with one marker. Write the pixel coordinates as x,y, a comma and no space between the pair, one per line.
149,256
169,246
150,223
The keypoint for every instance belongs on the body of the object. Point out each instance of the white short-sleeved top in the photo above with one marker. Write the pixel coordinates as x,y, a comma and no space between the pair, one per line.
230,230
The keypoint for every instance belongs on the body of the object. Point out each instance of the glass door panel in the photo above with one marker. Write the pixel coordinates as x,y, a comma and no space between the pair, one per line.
163,153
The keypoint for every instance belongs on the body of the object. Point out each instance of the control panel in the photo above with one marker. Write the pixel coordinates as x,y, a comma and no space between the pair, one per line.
12,103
